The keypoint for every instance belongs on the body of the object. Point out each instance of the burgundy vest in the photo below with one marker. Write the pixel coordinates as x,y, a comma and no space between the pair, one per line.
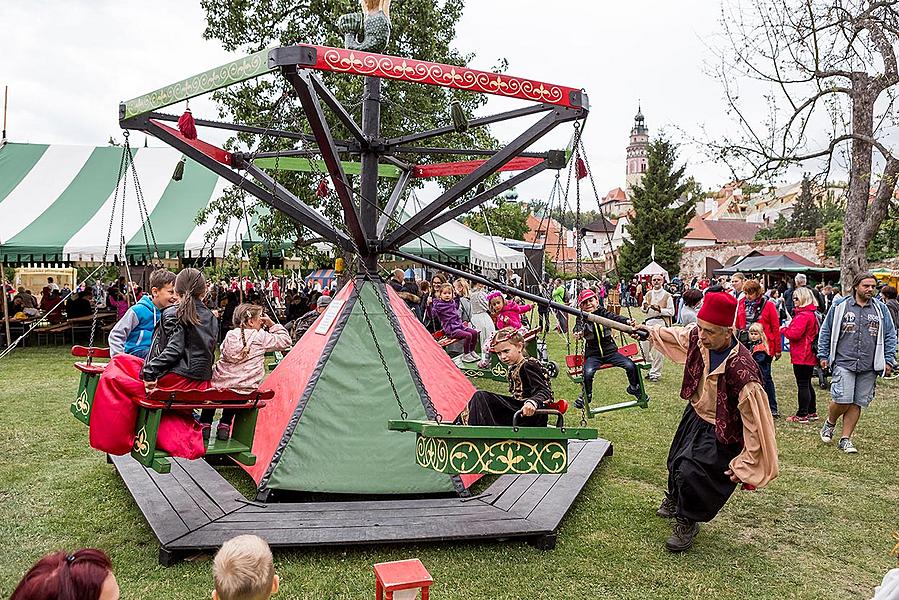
739,370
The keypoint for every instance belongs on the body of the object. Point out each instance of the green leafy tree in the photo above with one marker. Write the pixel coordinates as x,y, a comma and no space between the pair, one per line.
658,220
833,243
781,230
806,217
420,29
505,218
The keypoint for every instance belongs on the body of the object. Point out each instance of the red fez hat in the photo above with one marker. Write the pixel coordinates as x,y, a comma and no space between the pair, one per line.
718,308
585,295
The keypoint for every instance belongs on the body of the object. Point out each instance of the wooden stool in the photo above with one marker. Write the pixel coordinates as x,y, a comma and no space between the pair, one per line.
399,575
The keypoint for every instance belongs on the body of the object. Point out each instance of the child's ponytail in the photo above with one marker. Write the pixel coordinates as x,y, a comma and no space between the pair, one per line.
189,285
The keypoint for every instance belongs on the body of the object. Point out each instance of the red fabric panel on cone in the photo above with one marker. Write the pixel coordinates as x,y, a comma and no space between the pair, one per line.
449,389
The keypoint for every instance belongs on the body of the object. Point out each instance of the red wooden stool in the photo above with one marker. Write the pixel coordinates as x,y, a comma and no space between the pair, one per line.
409,575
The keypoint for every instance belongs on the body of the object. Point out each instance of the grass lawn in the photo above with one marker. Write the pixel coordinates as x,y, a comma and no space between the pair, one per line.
821,530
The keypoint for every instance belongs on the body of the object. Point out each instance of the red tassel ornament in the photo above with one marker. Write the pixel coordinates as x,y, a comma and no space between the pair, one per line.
323,189
187,126
581,168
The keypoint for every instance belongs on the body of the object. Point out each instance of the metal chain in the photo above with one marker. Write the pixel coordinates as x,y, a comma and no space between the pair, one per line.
115,200
609,240
146,224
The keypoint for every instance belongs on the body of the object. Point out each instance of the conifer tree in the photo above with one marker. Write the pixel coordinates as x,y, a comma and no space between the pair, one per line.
806,217
659,220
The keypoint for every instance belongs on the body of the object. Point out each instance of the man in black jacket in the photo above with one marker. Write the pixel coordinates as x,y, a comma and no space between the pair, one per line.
600,347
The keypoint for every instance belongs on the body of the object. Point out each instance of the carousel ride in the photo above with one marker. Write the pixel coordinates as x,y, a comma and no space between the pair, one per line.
320,426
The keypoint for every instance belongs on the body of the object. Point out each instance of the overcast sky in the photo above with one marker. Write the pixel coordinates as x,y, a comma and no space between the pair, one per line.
69,63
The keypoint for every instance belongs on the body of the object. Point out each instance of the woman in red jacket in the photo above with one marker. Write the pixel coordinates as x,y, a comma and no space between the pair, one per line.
754,307
801,332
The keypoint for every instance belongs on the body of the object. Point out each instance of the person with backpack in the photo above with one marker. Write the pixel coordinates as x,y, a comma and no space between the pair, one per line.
754,307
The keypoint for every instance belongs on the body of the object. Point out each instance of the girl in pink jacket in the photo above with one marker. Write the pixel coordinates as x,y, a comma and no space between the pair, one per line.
241,366
506,314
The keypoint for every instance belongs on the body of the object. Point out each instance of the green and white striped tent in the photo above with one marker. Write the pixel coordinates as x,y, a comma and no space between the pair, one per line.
56,202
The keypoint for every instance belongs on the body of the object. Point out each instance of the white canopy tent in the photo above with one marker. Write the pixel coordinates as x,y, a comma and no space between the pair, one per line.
654,268
482,250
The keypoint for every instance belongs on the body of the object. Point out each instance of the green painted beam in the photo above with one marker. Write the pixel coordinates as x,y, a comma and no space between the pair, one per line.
234,72
293,163
445,430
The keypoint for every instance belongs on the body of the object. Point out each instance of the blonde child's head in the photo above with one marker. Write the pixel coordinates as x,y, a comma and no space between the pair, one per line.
757,335
244,570
245,313
508,344
461,287
446,292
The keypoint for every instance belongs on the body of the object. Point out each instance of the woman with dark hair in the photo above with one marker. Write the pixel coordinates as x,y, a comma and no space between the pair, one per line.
83,575
692,299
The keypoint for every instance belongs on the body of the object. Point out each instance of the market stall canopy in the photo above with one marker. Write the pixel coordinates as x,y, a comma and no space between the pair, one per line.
455,242
653,268
56,202
774,263
321,276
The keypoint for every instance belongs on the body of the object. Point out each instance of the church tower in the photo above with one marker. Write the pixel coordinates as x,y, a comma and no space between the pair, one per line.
636,151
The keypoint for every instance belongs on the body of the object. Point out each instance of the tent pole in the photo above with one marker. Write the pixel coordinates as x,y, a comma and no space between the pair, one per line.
5,306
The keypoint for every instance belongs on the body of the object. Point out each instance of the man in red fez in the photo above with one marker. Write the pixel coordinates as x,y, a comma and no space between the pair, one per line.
726,436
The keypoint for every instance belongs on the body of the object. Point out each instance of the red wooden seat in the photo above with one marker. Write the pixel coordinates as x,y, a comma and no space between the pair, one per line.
575,362
84,351
559,405
212,398
442,340
91,369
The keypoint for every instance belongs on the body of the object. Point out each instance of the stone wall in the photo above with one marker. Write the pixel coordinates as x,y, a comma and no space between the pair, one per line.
701,261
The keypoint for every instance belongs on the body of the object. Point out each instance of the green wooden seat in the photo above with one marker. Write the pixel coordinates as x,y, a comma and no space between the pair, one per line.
466,449
87,385
497,371
239,447
575,364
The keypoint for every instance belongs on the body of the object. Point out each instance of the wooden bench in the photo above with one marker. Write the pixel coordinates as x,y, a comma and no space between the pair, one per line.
239,447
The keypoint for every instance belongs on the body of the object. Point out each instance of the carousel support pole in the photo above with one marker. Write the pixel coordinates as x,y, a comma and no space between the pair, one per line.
368,181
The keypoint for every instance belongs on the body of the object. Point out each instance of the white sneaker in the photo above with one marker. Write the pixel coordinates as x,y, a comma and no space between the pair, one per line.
471,357
827,432
846,446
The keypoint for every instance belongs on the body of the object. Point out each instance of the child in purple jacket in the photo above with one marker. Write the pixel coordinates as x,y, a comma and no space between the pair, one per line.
446,309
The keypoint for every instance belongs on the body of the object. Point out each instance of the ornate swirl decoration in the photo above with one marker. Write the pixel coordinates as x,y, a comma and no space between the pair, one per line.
81,404
140,443
407,69
493,457
213,79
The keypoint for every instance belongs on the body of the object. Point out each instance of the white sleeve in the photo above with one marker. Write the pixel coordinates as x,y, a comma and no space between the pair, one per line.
119,333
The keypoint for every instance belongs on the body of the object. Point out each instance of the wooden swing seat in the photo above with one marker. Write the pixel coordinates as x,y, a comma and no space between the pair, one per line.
495,450
442,340
575,362
152,406
239,447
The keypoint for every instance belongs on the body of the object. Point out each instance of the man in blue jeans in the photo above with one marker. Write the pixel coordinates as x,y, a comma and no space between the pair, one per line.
858,342
600,348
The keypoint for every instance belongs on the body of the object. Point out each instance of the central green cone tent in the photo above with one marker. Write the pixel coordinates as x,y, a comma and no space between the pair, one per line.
326,429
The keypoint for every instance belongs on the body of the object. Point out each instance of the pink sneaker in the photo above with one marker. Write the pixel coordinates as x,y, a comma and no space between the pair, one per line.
813,416
483,364
795,419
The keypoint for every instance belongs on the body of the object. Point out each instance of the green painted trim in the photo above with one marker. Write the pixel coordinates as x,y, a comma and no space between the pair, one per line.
433,430
293,163
214,79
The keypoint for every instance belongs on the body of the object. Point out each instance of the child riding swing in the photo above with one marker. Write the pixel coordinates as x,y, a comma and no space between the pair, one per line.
529,386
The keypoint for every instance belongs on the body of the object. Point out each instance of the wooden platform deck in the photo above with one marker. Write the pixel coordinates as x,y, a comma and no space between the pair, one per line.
194,509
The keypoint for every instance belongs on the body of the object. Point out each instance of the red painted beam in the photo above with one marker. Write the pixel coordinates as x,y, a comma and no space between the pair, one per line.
213,152
461,78
467,166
